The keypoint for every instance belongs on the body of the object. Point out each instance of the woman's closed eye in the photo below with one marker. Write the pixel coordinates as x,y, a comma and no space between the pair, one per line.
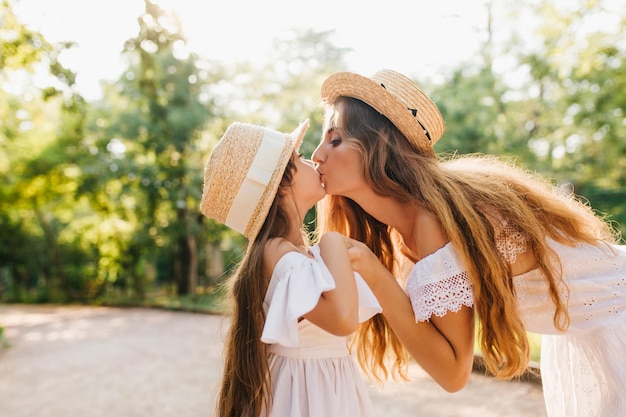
333,137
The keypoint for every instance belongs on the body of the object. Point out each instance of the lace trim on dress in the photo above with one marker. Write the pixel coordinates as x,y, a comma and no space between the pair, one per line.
437,298
438,284
510,241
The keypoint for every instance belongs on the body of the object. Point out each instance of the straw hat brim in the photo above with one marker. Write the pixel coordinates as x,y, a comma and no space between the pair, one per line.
227,170
372,93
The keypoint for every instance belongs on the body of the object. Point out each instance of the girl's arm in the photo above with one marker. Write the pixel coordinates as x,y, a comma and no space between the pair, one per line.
443,346
337,310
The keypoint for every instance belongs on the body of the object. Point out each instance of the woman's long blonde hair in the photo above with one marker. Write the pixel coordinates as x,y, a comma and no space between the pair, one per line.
465,193
246,386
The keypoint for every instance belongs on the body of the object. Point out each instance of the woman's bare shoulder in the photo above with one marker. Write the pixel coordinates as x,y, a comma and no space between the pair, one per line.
429,234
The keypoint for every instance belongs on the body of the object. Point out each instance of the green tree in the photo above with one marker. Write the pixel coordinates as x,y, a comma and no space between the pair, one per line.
147,128
473,101
580,77
563,113
41,134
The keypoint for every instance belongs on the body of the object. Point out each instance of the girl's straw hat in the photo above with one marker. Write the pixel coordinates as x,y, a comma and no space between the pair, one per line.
396,97
243,172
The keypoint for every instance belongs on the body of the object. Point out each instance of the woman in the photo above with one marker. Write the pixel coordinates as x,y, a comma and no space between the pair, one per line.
482,236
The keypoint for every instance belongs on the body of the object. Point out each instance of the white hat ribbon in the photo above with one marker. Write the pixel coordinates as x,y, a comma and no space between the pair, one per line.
256,181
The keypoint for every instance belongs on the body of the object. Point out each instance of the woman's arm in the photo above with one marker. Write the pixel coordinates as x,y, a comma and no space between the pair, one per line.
337,310
443,346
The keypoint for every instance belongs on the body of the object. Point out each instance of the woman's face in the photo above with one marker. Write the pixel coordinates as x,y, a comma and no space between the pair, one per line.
339,163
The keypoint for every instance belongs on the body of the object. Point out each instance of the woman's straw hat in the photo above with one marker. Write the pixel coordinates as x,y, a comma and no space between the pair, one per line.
396,97
243,172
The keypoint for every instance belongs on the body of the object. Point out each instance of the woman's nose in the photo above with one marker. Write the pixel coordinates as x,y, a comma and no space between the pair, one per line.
316,156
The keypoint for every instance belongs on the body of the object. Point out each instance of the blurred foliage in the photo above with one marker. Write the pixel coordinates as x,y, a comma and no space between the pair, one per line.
3,341
99,200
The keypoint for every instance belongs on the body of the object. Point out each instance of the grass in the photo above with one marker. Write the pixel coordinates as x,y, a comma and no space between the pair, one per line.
3,341
206,300
535,346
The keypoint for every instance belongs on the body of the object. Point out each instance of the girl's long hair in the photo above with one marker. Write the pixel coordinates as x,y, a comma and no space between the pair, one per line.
469,195
246,386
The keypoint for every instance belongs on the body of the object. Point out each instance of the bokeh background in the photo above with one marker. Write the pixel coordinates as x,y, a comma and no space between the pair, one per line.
109,110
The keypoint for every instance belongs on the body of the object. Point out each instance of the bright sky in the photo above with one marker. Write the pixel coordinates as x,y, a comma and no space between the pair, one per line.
416,37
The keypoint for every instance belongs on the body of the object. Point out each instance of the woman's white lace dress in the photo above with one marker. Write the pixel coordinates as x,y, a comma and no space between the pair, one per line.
313,374
583,369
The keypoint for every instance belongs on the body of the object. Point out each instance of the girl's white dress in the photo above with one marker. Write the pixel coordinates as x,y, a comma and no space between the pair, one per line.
313,374
583,369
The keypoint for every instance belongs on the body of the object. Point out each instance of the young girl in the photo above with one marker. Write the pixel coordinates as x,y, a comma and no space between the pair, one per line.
483,236
294,304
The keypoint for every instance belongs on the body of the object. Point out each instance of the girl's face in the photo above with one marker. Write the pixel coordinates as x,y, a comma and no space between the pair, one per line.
306,184
339,163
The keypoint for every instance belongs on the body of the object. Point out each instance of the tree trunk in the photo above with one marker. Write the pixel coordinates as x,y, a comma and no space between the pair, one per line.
55,254
215,263
183,256
192,245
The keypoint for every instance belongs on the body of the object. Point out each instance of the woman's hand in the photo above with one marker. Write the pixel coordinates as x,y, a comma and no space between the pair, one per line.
364,261
359,254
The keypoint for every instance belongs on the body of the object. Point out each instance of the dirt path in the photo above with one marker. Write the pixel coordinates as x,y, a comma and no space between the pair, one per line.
96,361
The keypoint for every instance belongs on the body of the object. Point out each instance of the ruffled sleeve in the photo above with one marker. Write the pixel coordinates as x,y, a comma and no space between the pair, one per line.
294,290
439,283
368,304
